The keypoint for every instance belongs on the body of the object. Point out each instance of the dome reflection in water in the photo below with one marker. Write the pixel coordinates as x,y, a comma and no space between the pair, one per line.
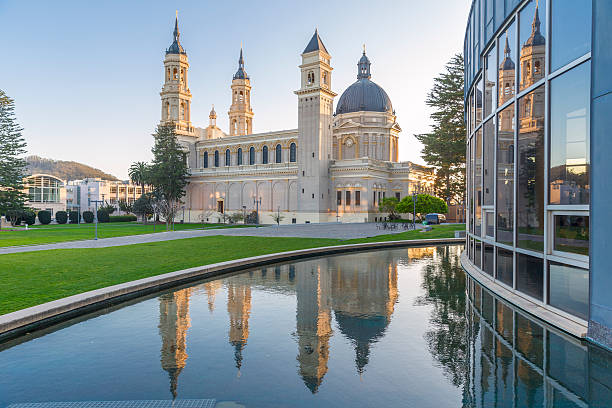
404,327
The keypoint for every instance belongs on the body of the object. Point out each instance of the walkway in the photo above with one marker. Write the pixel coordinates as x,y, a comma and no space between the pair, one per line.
331,230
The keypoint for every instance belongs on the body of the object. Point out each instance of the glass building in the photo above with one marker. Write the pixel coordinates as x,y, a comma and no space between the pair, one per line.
537,104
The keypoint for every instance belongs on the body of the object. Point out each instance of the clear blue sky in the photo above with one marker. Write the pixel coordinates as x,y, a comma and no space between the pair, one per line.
86,75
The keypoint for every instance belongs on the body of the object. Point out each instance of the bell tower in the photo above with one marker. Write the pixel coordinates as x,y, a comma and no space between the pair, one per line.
240,113
315,107
175,94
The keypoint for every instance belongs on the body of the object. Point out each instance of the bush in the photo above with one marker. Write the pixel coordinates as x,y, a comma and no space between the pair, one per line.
122,218
103,216
29,217
88,216
74,217
61,217
44,217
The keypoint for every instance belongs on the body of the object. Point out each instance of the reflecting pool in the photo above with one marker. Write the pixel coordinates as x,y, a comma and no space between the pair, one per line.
402,327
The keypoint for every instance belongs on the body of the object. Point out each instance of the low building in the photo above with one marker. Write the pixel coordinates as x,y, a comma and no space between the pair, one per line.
45,192
82,194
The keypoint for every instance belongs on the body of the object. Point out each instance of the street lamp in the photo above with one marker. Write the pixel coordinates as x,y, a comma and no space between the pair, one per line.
257,202
415,197
244,214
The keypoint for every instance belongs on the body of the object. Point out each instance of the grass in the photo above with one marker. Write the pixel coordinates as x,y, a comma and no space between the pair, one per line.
47,234
31,278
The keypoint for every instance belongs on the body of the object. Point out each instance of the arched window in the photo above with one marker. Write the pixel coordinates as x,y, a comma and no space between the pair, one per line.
292,153
168,77
235,126
536,67
252,155
240,156
168,109
241,97
175,74
182,111
279,153
228,157
216,158
205,160
510,154
264,155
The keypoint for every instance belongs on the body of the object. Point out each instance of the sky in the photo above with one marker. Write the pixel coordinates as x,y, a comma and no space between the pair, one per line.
86,76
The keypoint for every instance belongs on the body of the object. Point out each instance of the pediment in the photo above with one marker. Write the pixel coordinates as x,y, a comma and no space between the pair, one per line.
348,124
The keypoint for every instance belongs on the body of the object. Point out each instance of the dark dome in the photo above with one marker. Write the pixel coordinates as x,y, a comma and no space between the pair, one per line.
364,95
176,47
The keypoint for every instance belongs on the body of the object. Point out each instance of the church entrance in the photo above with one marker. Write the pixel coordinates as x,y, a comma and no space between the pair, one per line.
220,206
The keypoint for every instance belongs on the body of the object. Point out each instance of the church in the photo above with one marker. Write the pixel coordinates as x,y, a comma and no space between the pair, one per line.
335,166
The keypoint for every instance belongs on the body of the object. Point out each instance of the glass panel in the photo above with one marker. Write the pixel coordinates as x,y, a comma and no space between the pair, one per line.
506,64
489,264
487,308
533,45
490,223
530,275
471,112
490,73
478,102
477,254
488,162
504,375
529,386
572,234
504,266
478,183
571,31
505,175
530,340
569,136
569,289
530,165
471,181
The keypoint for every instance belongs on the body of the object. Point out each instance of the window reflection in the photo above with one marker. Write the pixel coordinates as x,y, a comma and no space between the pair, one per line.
530,165
569,136
488,162
478,183
570,31
506,82
533,44
569,289
489,265
505,264
572,234
489,82
478,102
505,175
530,275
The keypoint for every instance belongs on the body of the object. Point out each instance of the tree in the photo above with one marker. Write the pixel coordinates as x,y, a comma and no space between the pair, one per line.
236,217
12,165
444,147
143,207
425,204
168,172
139,174
125,206
389,205
278,217
107,208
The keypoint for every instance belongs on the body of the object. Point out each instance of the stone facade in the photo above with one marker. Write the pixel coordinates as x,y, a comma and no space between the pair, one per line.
333,167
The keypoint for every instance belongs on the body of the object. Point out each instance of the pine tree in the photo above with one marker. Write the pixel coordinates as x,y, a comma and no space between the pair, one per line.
168,172
12,163
444,148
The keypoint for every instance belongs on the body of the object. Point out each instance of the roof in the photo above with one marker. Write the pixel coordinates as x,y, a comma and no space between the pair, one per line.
315,44
241,73
176,47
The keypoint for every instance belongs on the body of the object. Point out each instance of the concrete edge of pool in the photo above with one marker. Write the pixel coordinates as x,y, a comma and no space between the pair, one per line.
17,323
561,322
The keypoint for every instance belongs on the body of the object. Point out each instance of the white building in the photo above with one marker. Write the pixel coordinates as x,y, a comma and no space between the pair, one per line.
333,166
80,194
45,192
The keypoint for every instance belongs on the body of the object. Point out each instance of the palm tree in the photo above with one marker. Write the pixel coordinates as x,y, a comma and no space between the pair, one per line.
139,175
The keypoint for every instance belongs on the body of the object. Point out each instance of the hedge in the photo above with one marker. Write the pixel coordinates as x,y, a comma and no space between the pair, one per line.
103,216
29,217
122,218
44,217
61,217
88,216
74,217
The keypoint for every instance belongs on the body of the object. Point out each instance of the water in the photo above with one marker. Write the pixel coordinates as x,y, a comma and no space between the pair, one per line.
384,328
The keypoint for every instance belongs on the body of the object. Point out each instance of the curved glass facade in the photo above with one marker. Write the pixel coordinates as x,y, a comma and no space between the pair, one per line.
527,102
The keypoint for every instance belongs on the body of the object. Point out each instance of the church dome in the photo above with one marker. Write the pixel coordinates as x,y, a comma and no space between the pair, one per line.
176,47
364,95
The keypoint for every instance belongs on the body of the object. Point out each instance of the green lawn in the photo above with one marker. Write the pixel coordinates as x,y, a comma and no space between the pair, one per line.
31,278
46,234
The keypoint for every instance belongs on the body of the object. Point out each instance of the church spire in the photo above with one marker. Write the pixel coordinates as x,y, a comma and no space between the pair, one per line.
241,73
363,66
176,47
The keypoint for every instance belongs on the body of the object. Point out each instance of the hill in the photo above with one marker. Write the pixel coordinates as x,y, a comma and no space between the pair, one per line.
66,170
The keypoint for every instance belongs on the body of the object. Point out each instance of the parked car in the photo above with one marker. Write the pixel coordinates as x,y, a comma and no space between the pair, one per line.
435,218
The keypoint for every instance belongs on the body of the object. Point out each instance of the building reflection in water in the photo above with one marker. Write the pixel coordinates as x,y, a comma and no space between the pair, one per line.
173,324
239,309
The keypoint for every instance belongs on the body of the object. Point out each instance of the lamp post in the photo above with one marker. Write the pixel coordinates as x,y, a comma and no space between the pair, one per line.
95,214
278,217
415,197
244,214
257,202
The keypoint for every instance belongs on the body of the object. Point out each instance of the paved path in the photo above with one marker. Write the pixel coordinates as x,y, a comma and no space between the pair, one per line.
331,230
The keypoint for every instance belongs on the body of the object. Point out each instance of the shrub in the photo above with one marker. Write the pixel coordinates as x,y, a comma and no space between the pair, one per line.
103,216
74,217
61,217
44,217
88,216
122,218
29,217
